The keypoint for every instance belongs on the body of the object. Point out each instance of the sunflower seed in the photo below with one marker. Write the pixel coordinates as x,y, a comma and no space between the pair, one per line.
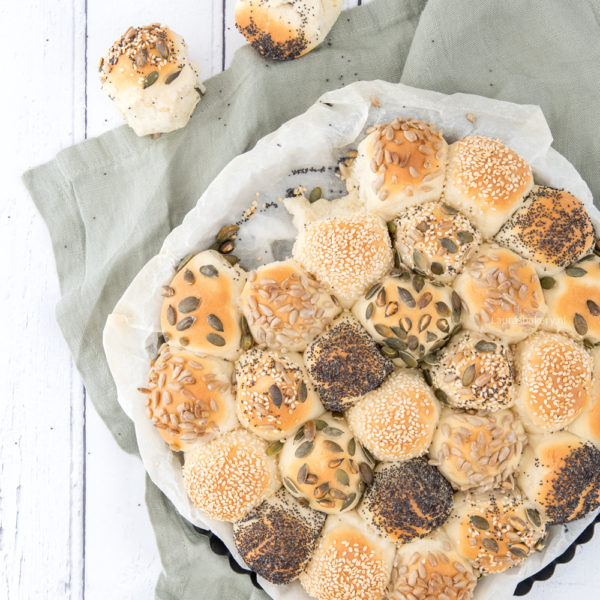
337,494
517,523
275,448
580,324
321,491
142,58
246,342
227,232
169,79
335,463
315,194
171,315
480,523
424,322
209,271
215,339
381,298
310,430
332,446
311,479
391,309
150,79
332,432
189,304
366,473
304,449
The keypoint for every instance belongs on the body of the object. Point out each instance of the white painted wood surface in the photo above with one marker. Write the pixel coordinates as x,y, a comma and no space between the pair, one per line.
73,523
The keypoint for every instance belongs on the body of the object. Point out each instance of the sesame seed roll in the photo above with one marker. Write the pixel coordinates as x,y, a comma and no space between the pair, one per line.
346,254
478,451
436,239
285,307
560,473
151,80
554,377
501,293
475,370
229,476
495,531
400,164
274,394
277,539
486,181
397,420
189,398
350,563
201,307
551,228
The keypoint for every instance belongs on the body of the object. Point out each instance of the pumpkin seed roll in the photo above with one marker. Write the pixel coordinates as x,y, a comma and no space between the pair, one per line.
151,80
587,424
573,299
478,451
351,562
495,531
486,181
501,294
274,394
397,420
409,315
560,473
277,539
190,399
231,475
324,467
407,500
400,164
474,370
436,240
201,307
285,307
347,254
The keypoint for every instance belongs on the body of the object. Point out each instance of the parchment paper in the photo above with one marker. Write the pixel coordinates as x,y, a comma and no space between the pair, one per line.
304,152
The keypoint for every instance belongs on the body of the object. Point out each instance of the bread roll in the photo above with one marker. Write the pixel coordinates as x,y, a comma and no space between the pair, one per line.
478,451
286,30
502,294
285,308
407,500
475,371
324,466
587,424
409,315
486,181
554,377
436,240
347,254
350,561
277,539
344,364
151,80
397,420
201,310
560,473
190,400
573,299
400,165
274,394
551,228
229,476
495,531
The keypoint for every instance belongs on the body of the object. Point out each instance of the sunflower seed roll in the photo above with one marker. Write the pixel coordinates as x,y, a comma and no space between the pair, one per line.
151,80
201,307
587,424
274,394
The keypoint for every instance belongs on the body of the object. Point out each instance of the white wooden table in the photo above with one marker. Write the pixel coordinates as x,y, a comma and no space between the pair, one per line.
73,523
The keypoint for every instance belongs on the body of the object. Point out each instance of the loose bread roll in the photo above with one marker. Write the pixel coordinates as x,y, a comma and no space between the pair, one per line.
274,394
190,400
350,561
397,420
502,294
486,181
286,30
475,371
324,467
573,299
560,473
231,475
347,254
285,308
400,165
407,500
478,451
201,311
151,80
344,364
551,228
436,240
554,381
277,539
495,531
587,424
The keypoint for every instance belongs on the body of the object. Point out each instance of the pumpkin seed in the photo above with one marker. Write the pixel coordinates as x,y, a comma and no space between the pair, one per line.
366,473
101,64
397,261
443,309
169,79
448,245
399,332
575,271
395,343
588,343
290,486
484,346
231,259
404,276
456,303
302,392
406,298
337,494
332,432
469,374
227,232
299,435
320,425
244,325
423,226
547,283
465,237
310,430
209,271
352,447
171,315
384,330
430,337
315,194
424,322
534,517
369,311
413,342
456,329
392,227
168,291
362,486
372,291
391,309
184,341
246,342
332,446
342,477
163,49
490,544
381,298
302,473
184,261
185,323
388,352
580,324
408,359
437,268
428,379
275,448
150,79
480,523
189,304
215,322
405,323
430,359
418,283
442,325
304,449
276,397
448,209
335,463
188,277
420,260
593,308
215,339
337,415
519,550
425,299
441,396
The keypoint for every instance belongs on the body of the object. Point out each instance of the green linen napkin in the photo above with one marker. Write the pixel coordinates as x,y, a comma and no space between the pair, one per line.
109,202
